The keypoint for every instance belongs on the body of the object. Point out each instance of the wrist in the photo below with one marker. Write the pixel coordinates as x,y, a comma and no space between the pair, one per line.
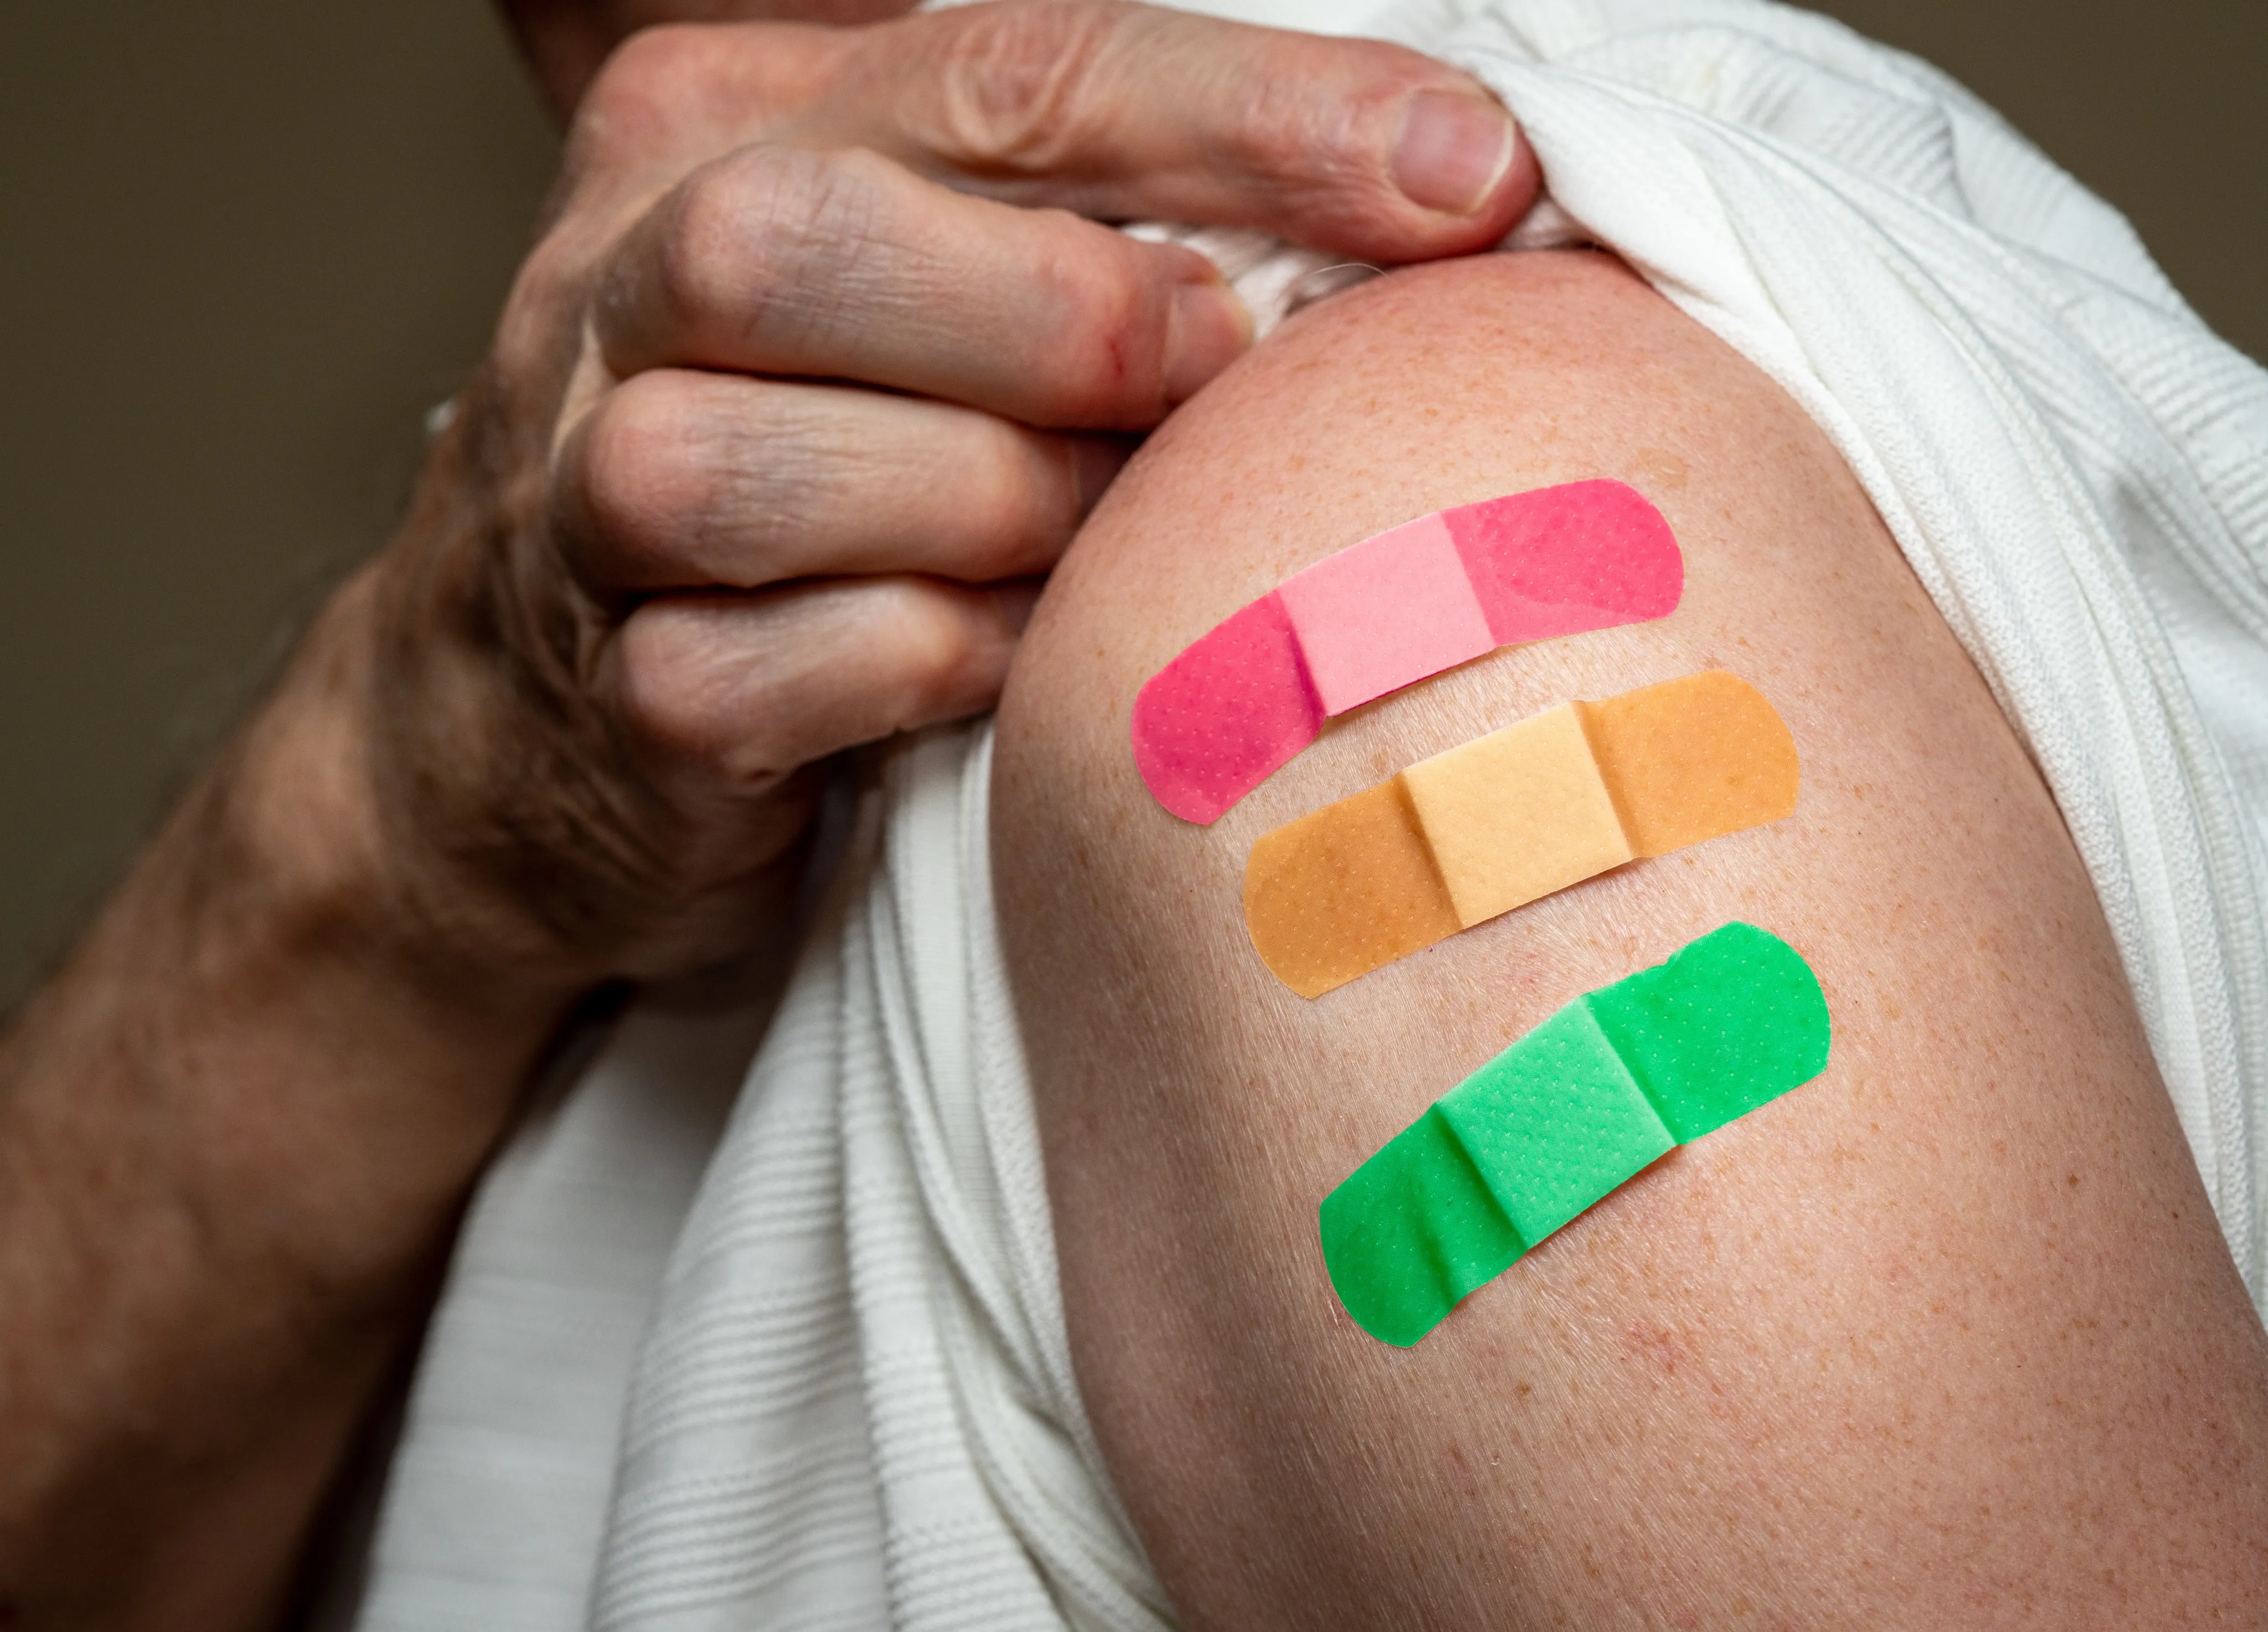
236,1132
329,864
281,1092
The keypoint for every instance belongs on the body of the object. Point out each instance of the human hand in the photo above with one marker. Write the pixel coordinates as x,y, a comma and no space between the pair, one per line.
774,418
807,380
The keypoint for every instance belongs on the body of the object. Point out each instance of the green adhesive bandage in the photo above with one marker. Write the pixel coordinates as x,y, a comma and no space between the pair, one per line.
1567,1113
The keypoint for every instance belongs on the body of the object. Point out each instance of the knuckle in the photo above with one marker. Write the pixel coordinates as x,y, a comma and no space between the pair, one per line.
700,231
1015,495
1103,322
815,214
765,238
939,666
549,284
639,481
673,691
1015,81
837,666
632,106
1283,132
1317,110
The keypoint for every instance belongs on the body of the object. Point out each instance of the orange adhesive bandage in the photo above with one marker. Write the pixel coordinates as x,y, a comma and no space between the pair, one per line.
1459,839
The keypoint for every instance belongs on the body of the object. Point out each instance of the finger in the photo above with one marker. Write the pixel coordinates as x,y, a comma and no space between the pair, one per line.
847,266
680,480
1118,110
735,691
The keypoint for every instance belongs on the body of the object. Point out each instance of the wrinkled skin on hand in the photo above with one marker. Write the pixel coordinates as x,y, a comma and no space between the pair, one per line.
809,376
806,382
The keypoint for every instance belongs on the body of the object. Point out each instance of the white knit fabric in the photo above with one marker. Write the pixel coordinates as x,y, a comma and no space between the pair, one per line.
497,1497
854,1406
857,1406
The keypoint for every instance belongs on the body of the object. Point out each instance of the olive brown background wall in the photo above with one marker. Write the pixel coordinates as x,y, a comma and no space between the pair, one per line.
244,247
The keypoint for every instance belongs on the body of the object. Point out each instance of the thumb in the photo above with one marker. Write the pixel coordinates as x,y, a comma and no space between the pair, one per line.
1120,110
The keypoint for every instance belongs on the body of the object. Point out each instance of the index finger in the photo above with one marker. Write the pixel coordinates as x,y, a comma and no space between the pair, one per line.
1118,110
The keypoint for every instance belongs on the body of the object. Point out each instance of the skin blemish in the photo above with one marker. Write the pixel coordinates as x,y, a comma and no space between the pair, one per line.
1656,1345
1658,468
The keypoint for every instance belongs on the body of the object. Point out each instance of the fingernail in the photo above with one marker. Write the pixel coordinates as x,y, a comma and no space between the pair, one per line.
1206,330
1095,461
1453,150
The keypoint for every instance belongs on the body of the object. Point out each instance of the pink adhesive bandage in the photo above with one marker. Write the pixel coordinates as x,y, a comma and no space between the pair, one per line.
1386,613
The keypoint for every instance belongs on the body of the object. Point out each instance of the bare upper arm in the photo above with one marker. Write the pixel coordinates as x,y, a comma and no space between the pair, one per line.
1947,1335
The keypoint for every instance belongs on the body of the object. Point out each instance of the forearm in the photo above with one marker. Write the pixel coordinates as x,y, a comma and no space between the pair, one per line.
776,425
234,1134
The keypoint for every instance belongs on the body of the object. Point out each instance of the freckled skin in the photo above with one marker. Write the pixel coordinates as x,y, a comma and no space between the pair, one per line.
1946,1338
